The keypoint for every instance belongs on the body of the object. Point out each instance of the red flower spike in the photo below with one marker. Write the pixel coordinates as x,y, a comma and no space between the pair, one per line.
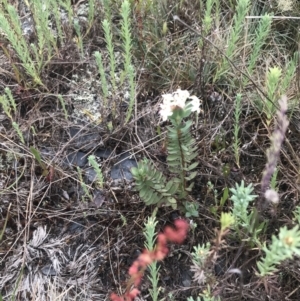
115,297
161,249
182,225
177,235
161,239
145,258
133,293
136,271
138,279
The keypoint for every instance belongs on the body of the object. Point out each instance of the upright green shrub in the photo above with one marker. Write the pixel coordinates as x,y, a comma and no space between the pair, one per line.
9,106
234,37
283,247
106,25
150,244
258,41
273,93
129,71
181,152
246,225
104,86
12,28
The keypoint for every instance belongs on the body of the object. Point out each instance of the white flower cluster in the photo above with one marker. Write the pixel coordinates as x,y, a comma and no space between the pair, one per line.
272,196
175,100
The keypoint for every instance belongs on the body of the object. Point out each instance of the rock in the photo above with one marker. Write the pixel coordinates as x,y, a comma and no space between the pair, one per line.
90,175
77,159
121,170
84,139
104,153
48,270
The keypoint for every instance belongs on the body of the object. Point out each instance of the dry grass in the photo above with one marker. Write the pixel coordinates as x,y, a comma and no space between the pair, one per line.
87,245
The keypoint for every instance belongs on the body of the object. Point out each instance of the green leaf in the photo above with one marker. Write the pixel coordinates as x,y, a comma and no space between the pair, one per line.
172,130
189,189
134,171
191,176
173,151
143,193
224,196
148,195
192,166
172,187
173,157
36,154
193,156
172,202
187,112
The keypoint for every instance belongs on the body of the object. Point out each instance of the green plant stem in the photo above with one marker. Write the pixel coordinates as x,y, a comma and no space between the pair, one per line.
237,113
100,65
5,223
126,35
106,25
182,169
132,86
150,235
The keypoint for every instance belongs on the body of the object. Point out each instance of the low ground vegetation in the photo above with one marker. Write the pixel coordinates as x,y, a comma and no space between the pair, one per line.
149,150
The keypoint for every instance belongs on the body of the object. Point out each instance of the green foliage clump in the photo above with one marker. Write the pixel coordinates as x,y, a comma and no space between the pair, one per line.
152,185
181,152
283,247
9,106
242,196
127,48
245,218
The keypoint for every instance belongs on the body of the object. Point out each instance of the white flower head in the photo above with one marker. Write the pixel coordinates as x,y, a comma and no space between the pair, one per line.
180,97
272,196
175,100
195,102
166,107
